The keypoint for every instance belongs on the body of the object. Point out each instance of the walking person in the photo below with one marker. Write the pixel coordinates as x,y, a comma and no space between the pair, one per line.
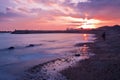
104,36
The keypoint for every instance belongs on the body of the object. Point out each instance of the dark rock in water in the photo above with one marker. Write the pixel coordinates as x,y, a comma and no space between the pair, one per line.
77,55
11,48
31,45
54,69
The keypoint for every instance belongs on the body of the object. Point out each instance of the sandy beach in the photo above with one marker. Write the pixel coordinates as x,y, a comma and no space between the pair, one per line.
105,65
99,61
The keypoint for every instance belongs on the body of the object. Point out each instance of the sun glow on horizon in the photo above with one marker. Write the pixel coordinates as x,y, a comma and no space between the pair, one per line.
89,23
84,23
58,14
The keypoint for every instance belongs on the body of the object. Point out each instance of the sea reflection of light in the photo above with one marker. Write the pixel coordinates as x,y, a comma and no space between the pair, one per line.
85,37
84,50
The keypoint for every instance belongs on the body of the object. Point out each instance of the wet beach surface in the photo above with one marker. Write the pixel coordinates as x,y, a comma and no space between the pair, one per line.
105,65
19,53
51,69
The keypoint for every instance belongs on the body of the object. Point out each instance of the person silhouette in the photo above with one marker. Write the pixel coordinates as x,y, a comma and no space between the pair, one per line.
104,36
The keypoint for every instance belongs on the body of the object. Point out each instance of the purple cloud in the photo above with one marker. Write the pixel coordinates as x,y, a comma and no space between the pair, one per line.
52,10
108,9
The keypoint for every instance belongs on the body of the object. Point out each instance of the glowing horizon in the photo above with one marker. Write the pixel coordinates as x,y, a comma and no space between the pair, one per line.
57,14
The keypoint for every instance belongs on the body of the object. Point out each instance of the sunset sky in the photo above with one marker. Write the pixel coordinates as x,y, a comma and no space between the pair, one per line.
58,14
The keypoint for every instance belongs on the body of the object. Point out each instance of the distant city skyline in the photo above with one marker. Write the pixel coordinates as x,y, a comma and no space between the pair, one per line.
57,14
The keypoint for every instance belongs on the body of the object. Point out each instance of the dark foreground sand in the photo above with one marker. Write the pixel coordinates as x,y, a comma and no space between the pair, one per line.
105,65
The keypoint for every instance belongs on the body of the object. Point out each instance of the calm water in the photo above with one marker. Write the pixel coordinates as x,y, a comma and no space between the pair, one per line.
47,47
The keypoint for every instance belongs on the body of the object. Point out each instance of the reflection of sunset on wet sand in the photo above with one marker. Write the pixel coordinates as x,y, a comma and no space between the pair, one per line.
84,50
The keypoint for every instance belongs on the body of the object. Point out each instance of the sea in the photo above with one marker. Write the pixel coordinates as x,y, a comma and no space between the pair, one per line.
19,52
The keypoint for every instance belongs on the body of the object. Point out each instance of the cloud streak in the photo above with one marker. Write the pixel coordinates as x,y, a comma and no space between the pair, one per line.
43,14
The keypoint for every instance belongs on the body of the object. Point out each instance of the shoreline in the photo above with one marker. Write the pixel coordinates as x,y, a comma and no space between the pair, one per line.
56,46
51,70
105,65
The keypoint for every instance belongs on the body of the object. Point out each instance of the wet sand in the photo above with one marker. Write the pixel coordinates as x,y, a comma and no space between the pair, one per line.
51,70
105,65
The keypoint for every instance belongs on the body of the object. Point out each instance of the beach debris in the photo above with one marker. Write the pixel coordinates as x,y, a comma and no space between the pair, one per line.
11,48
